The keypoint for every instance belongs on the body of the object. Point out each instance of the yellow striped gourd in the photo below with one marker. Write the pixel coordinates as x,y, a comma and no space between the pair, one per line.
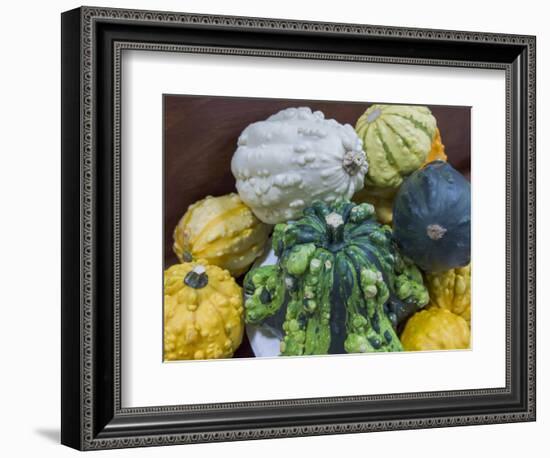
223,231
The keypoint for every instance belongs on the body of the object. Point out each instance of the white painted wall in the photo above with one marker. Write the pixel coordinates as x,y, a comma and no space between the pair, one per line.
30,241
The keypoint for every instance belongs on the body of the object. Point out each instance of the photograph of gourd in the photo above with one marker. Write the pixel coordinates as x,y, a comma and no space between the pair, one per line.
306,227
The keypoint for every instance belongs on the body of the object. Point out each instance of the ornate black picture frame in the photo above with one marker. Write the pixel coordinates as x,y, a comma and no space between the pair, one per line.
92,42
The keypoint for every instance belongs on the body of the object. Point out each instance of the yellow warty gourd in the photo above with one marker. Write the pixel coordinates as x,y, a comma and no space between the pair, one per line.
435,329
382,198
223,231
451,290
203,312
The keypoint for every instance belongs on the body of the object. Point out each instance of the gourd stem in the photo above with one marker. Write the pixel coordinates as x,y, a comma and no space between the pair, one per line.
335,226
187,256
373,116
196,277
353,161
435,231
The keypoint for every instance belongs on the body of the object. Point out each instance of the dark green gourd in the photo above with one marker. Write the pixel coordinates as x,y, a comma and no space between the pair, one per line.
431,218
336,270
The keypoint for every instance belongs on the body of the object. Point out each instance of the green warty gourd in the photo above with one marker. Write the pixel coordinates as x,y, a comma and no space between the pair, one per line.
336,273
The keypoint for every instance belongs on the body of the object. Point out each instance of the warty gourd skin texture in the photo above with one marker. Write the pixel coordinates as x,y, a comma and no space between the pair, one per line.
296,156
336,270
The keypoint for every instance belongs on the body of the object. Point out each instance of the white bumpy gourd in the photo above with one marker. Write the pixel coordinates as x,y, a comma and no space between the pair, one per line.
294,157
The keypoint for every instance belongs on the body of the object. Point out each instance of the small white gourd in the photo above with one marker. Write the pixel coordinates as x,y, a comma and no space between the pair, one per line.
296,156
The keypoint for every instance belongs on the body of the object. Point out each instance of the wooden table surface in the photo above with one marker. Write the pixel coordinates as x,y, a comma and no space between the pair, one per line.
200,137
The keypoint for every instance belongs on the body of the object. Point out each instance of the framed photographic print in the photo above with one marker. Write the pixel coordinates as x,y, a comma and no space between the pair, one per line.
277,228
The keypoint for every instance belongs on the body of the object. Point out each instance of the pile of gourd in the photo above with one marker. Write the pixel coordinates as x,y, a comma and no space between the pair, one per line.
369,231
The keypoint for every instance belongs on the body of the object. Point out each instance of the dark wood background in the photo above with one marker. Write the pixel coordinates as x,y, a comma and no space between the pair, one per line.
200,137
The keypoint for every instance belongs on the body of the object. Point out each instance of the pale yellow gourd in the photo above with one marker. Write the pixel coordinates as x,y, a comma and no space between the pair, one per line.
435,328
223,231
203,312
397,140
